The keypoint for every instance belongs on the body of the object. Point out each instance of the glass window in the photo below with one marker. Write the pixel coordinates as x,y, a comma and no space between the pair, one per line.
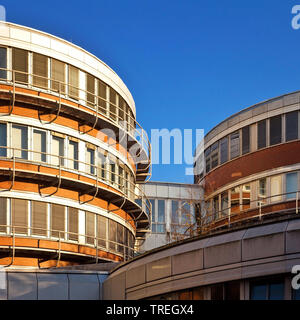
58,76
39,145
40,70
262,190
276,188
73,154
246,194
90,227
3,214
267,290
224,150
261,134
3,63
73,82
3,140
39,218
224,203
207,159
20,141
102,164
102,97
291,126
214,155
73,224
122,109
258,292
120,237
175,212
235,200
57,221
153,218
90,88
90,160
161,211
246,140
276,291
20,65
232,290
112,234
19,215
101,231
112,105
217,292
295,294
57,150
291,185
275,130
234,145
216,207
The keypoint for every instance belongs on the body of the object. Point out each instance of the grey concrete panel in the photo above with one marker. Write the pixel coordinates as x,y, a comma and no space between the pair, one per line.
22,286
162,191
246,115
3,284
293,225
187,262
234,120
265,230
227,237
135,276
52,286
159,269
275,104
262,108
263,247
292,241
118,287
83,287
291,99
222,254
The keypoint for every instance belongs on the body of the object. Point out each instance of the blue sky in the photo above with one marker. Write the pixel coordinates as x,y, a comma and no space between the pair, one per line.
188,64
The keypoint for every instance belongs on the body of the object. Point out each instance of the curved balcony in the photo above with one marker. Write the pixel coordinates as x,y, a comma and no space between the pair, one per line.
59,246
90,180
53,97
257,210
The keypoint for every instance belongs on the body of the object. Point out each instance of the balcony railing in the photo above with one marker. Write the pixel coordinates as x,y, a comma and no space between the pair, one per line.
101,174
259,208
120,117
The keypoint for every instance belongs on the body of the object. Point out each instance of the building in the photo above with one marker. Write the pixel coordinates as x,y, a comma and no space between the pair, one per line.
173,212
249,231
72,156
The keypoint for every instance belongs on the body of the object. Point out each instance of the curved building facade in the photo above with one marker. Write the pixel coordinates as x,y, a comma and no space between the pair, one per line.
249,165
72,155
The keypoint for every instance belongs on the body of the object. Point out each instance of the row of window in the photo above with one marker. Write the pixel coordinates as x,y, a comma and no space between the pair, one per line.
57,149
51,74
269,132
257,193
34,218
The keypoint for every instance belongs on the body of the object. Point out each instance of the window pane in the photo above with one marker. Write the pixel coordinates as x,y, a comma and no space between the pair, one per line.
224,203
276,291
20,141
3,140
73,154
90,227
73,224
217,292
224,150
113,101
19,215
161,211
276,188
90,88
112,234
120,237
90,160
152,201
57,221
275,130
3,63
207,159
102,164
39,145
102,97
246,140
216,207
214,155
39,218
234,145
101,231
58,76
20,64
258,292
73,82
57,150
40,70
262,190
235,200
3,215
232,290
261,134
291,184
291,126
246,194
175,212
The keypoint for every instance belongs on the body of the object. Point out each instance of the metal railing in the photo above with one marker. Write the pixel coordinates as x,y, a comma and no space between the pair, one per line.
121,117
66,237
230,215
101,174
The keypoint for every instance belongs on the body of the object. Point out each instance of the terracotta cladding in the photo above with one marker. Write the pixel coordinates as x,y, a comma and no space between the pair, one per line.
259,161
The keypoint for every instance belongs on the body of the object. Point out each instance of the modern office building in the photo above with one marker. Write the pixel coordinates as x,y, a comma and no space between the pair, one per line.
173,212
249,226
72,155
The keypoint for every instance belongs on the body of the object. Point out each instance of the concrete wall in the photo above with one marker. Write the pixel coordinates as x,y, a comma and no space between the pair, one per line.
50,285
243,254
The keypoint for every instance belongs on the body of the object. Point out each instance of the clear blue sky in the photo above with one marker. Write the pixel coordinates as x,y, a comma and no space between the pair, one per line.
188,64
